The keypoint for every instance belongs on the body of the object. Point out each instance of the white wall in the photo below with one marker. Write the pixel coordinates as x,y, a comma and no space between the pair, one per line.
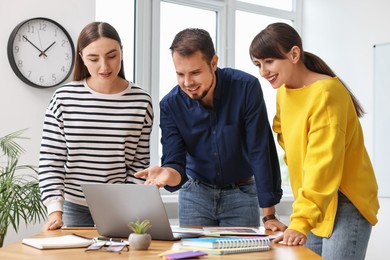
22,106
343,33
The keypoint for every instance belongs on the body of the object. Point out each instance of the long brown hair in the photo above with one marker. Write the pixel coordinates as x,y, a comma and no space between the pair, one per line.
277,39
89,34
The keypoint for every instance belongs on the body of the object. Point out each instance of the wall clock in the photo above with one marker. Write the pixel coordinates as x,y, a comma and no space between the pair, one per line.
41,52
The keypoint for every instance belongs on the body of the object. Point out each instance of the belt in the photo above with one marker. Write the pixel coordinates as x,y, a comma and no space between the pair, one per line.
228,186
244,181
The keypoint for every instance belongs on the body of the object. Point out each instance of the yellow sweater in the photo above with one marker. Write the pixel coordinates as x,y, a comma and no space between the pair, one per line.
319,130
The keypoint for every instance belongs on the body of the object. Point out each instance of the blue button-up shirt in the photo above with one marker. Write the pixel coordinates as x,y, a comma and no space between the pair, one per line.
226,143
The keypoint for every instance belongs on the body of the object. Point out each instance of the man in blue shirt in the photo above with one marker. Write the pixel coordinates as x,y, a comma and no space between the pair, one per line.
218,148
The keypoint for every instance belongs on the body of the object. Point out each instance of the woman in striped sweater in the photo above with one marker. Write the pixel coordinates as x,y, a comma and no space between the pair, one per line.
96,129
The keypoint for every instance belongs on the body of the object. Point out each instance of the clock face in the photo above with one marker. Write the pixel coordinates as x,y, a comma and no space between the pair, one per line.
41,52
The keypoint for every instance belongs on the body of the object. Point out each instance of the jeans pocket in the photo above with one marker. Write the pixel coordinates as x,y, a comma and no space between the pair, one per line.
248,189
186,186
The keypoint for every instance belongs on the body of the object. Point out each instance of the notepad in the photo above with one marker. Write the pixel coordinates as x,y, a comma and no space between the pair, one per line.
227,251
67,241
183,255
222,243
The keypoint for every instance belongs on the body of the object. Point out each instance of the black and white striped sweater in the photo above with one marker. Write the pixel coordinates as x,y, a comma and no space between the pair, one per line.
92,137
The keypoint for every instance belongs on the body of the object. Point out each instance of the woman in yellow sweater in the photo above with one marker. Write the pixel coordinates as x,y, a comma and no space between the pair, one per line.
317,122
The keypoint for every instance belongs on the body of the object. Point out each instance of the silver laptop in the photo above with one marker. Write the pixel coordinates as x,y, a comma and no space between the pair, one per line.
114,206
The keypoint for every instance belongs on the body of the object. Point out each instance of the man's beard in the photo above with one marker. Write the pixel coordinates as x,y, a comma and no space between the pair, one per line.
205,92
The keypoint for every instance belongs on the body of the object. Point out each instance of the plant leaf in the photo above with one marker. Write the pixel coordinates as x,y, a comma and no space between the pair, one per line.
20,198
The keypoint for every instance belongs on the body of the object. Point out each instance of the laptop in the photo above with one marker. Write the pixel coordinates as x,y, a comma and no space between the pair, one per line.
114,206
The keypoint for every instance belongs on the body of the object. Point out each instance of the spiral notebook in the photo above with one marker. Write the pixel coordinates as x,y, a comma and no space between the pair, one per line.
227,251
227,243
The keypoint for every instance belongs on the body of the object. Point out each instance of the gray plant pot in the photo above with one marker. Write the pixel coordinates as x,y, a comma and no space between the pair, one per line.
139,241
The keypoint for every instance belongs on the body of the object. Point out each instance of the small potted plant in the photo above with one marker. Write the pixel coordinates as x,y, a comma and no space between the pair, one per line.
140,239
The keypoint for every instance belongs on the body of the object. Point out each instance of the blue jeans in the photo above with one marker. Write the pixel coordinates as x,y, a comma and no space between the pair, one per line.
202,204
76,215
350,235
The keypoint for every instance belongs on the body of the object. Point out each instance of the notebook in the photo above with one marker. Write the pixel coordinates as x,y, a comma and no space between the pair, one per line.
114,206
233,231
227,251
221,243
67,241
183,255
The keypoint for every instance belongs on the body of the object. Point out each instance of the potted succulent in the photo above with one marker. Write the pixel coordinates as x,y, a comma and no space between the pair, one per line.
140,239
20,198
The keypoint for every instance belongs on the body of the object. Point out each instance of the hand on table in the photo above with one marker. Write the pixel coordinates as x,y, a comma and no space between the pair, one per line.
291,237
54,222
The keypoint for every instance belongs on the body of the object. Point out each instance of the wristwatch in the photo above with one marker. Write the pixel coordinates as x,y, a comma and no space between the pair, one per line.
268,217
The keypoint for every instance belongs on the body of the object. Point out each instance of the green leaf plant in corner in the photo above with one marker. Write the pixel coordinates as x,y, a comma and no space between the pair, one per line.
20,198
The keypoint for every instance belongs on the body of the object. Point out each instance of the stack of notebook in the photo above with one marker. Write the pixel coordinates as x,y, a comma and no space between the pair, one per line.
228,245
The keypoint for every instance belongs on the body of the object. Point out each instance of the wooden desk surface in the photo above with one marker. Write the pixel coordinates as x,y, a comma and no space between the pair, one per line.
20,251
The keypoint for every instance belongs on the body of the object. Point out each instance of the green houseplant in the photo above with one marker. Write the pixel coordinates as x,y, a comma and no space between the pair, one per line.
20,198
140,239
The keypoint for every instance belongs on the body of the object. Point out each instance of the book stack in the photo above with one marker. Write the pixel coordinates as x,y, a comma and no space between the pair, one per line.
228,245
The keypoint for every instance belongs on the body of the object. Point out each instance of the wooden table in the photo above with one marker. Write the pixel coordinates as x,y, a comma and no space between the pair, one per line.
20,251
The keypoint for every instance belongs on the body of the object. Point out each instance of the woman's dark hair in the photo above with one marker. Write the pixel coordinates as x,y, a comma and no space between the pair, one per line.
191,40
277,39
89,34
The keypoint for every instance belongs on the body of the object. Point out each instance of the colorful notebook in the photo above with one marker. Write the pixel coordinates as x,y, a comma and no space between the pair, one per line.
227,251
183,255
228,242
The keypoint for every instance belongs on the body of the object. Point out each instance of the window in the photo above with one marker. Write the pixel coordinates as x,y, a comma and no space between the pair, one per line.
124,24
279,4
243,62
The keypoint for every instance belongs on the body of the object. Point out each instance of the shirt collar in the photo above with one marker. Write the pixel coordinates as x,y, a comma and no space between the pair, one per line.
218,85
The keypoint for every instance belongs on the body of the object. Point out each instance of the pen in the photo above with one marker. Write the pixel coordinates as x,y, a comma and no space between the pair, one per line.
77,235
110,239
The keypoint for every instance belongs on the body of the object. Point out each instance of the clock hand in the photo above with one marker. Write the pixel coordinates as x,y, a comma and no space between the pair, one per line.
42,53
40,43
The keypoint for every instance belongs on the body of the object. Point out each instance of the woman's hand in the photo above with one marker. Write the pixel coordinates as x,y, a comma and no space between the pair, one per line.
54,222
291,238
